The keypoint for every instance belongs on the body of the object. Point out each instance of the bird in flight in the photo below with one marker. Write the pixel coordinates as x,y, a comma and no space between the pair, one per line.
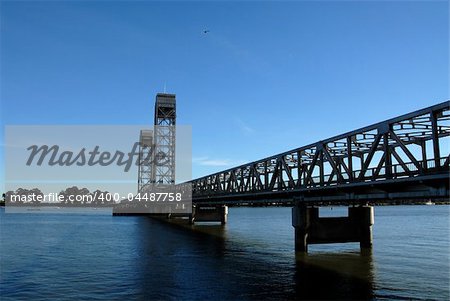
206,31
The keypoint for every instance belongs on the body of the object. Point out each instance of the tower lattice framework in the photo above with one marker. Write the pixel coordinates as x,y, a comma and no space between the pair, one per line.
146,168
164,138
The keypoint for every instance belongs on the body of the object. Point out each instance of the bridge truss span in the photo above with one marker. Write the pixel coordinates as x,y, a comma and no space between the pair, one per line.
403,157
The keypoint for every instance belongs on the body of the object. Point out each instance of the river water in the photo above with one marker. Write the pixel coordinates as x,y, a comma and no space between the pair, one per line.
95,256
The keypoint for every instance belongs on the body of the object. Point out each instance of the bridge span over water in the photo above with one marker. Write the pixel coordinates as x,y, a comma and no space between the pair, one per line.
406,157
403,158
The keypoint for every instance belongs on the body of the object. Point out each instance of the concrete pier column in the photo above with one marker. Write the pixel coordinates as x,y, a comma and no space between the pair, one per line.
312,229
363,219
302,219
224,214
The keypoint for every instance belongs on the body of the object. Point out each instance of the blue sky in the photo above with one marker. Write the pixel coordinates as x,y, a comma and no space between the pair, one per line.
268,77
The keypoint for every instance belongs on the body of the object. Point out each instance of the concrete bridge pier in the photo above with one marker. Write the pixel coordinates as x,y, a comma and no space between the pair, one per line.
209,213
312,229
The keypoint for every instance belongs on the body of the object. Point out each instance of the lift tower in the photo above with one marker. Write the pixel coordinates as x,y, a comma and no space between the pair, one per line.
146,168
164,138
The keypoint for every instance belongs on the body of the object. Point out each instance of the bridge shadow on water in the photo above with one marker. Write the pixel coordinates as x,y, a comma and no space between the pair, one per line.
335,275
204,263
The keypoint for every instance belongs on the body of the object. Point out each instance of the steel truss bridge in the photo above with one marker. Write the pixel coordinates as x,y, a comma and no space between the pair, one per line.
406,157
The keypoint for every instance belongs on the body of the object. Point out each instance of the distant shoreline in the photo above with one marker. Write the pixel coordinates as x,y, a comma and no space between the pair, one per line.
273,204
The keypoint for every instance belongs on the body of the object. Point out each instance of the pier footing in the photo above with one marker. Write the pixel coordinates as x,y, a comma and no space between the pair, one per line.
312,229
209,213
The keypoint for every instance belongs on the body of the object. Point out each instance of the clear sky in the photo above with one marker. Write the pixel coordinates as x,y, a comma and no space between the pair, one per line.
267,77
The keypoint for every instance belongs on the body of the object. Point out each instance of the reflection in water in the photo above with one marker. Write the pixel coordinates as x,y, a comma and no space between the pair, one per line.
176,262
334,275
85,257
202,262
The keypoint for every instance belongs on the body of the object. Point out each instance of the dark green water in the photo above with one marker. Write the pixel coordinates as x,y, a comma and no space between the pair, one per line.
99,257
